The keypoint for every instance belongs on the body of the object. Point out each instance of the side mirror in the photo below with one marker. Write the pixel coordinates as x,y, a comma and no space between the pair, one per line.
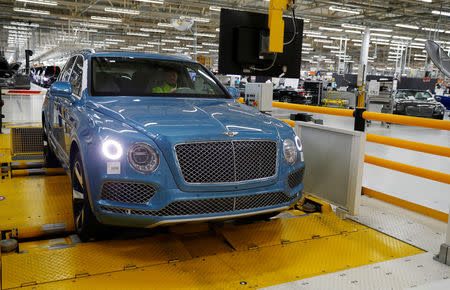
62,89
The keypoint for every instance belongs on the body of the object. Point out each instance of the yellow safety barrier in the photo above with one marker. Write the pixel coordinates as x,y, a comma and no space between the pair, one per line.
406,120
413,170
410,145
314,109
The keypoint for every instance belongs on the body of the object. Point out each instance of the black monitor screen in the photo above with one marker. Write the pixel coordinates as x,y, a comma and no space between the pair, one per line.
243,40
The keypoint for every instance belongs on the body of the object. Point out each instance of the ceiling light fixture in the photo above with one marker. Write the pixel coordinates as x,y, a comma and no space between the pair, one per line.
163,24
401,37
345,10
206,35
330,28
40,2
437,12
200,19
152,30
215,8
353,26
151,1
114,40
407,26
210,44
184,38
138,34
170,41
122,11
106,19
381,29
353,31
323,40
31,11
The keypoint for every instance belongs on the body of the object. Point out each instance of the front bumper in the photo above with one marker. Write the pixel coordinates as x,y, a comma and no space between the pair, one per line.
199,206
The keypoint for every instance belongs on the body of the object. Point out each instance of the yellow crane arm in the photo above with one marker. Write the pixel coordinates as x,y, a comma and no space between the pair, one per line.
276,24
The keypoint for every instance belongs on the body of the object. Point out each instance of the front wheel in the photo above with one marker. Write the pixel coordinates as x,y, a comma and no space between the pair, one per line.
86,224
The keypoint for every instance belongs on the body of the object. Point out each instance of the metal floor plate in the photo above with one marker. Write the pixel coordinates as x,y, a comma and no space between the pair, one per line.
208,259
32,204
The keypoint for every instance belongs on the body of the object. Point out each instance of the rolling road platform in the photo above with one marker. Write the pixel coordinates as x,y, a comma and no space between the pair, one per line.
36,210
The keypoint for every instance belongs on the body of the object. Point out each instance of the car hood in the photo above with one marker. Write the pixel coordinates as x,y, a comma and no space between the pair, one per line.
187,118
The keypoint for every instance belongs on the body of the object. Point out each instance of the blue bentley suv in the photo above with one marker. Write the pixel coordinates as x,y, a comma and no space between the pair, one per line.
152,139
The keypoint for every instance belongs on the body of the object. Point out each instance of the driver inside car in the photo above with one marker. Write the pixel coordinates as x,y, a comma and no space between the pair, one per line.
170,82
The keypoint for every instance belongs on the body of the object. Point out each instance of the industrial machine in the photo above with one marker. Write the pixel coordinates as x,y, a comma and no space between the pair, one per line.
259,95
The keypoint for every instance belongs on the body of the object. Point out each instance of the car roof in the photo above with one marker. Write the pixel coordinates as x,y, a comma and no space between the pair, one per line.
87,53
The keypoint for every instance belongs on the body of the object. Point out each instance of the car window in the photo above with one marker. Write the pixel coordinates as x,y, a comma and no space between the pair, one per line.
76,76
65,75
130,76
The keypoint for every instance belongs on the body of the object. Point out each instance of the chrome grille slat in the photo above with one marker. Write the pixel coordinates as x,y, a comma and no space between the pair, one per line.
227,161
212,205
128,192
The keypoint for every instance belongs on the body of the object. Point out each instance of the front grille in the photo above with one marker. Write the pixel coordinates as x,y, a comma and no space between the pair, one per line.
296,177
128,192
419,111
212,205
227,161
27,140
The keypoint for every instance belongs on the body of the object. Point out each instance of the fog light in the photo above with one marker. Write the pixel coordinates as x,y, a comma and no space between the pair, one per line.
112,149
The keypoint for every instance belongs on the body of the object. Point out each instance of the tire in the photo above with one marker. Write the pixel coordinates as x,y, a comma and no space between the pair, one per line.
50,159
86,224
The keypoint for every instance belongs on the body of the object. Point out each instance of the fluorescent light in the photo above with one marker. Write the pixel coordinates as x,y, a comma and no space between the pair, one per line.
145,45
307,48
305,52
169,49
152,30
353,26
40,2
312,32
339,38
206,35
154,42
162,24
213,50
356,40
194,46
437,12
24,24
407,26
420,55
357,44
85,29
316,36
170,41
331,47
107,19
433,29
420,39
114,40
333,8
90,24
122,10
353,31
138,34
381,29
210,44
151,1
184,38
401,37
200,19
215,8
323,40
330,29
306,44
180,48
31,11
380,35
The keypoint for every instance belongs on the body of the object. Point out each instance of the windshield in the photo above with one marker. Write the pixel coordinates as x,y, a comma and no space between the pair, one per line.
412,95
128,76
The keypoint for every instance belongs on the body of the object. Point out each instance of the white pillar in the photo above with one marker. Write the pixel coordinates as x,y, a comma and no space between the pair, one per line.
364,57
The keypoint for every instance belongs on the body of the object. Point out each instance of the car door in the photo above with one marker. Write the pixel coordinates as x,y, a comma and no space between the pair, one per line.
57,120
67,106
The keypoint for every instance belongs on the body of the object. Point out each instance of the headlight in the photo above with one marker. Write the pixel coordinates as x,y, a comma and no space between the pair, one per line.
112,149
143,158
290,151
298,143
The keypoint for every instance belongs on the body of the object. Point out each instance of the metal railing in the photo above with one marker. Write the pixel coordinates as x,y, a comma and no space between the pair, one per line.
400,143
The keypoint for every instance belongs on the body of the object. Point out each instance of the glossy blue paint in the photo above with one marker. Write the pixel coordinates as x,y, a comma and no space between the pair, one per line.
162,123
61,89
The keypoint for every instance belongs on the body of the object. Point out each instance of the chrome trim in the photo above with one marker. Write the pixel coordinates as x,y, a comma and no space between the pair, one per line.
234,161
175,221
